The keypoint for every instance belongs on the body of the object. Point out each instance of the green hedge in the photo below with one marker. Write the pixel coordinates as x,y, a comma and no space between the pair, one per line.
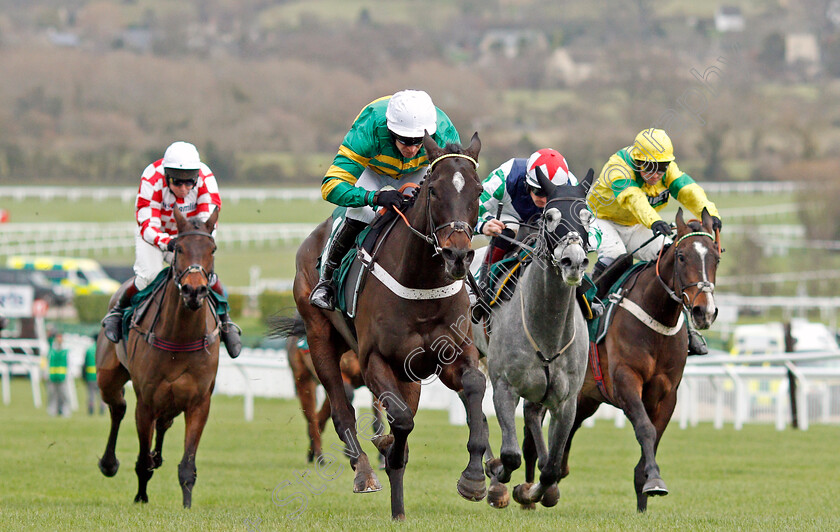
271,303
91,308
237,303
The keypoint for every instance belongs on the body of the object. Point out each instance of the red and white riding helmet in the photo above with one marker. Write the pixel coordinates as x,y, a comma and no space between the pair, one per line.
552,164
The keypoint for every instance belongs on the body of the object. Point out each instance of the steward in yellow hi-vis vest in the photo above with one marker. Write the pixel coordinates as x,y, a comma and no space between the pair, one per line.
636,182
634,185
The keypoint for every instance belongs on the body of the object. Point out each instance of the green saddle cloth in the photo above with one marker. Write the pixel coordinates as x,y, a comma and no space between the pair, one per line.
594,324
220,303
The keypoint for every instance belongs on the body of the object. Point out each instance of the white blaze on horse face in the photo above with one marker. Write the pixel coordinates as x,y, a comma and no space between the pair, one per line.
458,182
703,251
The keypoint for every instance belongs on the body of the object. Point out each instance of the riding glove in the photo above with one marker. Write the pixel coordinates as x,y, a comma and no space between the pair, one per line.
170,246
661,227
389,198
717,225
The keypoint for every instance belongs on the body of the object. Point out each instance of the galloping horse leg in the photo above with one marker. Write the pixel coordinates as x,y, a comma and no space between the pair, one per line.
533,444
499,469
659,416
162,426
379,426
647,479
546,490
325,358
111,384
585,408
488,453
305,388
194,418
144,467
466,375
394,396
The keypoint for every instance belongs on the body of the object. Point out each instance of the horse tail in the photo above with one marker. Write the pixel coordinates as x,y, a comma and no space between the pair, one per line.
284,326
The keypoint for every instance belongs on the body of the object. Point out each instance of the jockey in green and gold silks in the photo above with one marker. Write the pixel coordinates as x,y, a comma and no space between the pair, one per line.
382,151
636,183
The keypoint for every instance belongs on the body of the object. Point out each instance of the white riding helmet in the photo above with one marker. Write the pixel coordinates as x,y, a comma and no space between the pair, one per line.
410,113
552,164
181,155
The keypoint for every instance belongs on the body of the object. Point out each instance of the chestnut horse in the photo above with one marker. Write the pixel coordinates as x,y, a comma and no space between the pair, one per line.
643,354
415,326
171,357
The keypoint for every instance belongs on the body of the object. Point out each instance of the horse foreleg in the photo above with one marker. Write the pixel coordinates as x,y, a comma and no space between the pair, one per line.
546,490
162,426
397,398
659,412
471,485
194,419
111,385
647,480
144,467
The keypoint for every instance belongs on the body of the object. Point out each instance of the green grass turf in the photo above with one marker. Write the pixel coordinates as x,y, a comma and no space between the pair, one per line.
754,479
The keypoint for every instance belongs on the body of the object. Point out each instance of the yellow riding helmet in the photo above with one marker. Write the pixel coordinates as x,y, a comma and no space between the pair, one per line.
652,145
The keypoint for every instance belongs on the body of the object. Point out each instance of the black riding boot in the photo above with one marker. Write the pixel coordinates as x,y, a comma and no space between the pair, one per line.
230,333
696,343
323,295
112,322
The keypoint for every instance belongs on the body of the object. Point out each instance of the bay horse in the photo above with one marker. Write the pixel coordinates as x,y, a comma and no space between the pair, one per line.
643,354
415,326
171,357
538,346
306,384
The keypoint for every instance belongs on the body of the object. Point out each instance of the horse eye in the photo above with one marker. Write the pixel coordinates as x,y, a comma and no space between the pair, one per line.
432,192
681,258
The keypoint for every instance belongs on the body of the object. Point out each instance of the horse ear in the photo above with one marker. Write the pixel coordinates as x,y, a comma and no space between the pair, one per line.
588,179
475,146
544,181
210,224
706,220
681,227
180,220
433,151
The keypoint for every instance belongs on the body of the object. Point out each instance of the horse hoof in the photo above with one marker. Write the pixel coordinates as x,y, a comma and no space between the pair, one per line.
472,490
141,498
551,496
519,494
654,487
384,442
497,495
366,484
109,470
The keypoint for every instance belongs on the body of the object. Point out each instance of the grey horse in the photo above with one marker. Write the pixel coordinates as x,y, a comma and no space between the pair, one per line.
537,349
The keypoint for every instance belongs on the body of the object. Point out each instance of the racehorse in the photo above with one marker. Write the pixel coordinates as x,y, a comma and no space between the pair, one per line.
306,384
643,354
415,326
537,349
171,357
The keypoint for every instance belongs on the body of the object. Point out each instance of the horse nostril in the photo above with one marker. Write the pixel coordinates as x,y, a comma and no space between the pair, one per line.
585,263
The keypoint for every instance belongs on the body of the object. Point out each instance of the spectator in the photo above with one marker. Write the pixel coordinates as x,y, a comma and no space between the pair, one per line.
89,375
59,400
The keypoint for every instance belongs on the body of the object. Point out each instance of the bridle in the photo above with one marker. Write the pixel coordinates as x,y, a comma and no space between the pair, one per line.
456,226
704,287
551,241
192,268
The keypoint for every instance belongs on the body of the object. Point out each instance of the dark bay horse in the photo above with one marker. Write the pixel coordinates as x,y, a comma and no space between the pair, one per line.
306,385
171,357
415,326
643,354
